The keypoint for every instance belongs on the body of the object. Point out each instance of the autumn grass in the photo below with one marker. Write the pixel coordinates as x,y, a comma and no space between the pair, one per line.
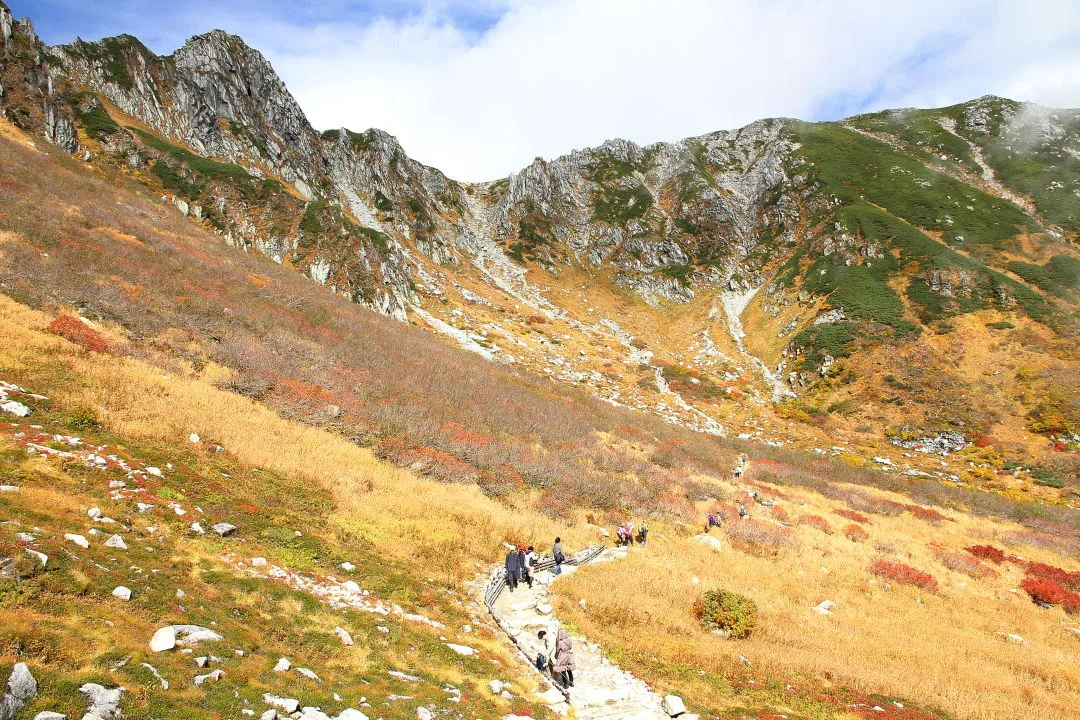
941,650
403,516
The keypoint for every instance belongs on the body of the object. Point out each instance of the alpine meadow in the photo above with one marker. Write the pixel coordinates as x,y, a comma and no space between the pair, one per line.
290,422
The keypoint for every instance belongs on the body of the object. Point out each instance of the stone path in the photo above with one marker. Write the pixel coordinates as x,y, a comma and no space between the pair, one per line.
602,690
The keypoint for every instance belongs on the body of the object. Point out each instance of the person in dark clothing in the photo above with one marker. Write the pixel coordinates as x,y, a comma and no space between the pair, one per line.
643,533
523,558
559,556
513,569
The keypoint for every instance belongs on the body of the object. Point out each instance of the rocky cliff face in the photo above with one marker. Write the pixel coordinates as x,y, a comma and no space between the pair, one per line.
698,279
28,96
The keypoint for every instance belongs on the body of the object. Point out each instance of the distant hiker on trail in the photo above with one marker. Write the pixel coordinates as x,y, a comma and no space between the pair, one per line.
564,659
530,560
742,511
546,657
620,536
714,521
526,576
643,533
513,569
628,531
559,556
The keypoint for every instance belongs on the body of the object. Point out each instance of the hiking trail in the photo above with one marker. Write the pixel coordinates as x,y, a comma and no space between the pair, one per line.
602,690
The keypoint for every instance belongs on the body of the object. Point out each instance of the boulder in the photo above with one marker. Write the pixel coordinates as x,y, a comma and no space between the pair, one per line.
422,713
824,607
40,556
461,649
710,542
116,542
351,714
348,566
496,686
21,685
121,592
269,715
288,705
674,705
77,539
309,674
213,675
104,702
343,634
192,634
164,639
223,529
50,715
283,665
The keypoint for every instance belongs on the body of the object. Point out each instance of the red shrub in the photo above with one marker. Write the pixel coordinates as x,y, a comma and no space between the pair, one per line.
78,332
1065,578
855,533
1048,592
904,574
816,521
930,515
780,514
987,552
852,515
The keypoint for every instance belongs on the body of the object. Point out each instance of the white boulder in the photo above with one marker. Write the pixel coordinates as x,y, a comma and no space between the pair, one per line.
77,539
164,639
674,705
122,592
343,635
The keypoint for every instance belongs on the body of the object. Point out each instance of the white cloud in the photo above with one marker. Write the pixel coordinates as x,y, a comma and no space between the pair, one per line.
548,77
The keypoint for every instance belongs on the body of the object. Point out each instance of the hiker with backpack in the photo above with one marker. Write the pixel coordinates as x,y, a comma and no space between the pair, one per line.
559,556
513,569
643,533
713,521
546,656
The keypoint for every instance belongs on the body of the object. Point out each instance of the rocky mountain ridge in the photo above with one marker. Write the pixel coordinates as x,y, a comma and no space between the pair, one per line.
705,280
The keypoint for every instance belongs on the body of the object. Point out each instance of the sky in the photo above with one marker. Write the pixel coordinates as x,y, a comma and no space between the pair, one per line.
479,89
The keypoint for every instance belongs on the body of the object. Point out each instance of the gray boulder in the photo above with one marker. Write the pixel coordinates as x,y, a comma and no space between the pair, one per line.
104,702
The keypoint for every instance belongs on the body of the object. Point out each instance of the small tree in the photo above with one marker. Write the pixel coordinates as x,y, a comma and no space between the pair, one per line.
727,613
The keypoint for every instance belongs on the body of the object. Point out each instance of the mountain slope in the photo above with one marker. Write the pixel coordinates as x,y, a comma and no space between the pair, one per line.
751,282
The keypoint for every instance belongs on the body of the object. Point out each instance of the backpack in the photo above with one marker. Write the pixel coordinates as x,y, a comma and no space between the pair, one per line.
541,662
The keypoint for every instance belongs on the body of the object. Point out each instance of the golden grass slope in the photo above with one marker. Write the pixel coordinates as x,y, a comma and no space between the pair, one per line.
942,650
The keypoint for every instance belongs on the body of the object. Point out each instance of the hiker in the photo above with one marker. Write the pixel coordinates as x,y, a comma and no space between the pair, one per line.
564,658
629,535
546,657
643,533
513,569
619,539
559,556
531,558
742,511
714,521
523,559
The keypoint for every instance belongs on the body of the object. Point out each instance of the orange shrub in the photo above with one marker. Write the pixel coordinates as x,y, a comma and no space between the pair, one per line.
855,533
816,521
852,515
